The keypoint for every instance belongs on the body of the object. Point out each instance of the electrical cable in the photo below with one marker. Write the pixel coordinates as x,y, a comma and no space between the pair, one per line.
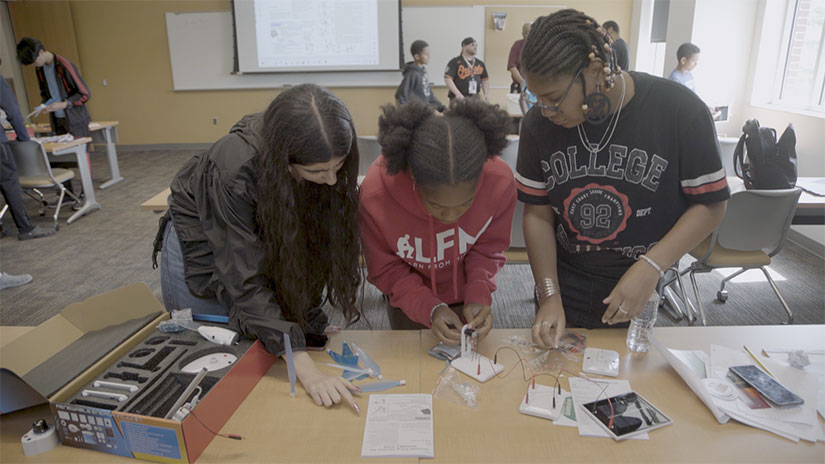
228,435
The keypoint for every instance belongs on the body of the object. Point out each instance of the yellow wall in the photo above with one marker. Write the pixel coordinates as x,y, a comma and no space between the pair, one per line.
124,42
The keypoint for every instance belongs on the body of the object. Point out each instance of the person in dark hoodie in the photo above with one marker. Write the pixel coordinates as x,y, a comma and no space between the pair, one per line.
62,90
264,224
416,83
435,215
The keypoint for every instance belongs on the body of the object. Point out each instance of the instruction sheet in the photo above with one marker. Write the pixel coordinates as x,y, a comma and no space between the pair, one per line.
399,426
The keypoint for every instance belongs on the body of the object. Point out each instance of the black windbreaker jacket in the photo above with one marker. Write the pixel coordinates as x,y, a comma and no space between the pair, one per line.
212,207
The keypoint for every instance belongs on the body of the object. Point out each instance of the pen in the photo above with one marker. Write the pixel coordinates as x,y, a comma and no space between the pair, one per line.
758,361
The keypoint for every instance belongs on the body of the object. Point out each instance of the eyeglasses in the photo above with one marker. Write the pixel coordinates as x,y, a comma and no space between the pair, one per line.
555,108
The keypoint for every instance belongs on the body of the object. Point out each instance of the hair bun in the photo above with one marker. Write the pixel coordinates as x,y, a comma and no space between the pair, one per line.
492,120
396,128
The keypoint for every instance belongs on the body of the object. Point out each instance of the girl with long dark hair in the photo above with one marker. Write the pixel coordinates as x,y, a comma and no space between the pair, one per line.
620,175
264,228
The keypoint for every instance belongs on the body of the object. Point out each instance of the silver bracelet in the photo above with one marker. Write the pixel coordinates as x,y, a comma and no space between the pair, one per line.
546,287
655,266
432,311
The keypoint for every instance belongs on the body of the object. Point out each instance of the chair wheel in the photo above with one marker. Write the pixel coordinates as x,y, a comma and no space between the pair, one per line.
56,227
722,296
42,213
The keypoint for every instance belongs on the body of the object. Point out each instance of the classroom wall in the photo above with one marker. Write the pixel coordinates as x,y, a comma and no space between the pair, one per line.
125,43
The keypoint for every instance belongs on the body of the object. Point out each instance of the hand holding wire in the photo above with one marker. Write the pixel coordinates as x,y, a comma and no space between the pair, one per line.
480,317
550,316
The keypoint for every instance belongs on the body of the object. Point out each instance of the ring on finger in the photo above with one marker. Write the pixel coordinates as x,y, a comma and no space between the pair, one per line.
546,324
622,310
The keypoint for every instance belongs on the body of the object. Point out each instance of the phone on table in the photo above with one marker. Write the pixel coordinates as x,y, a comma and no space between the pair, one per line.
774,391
316,342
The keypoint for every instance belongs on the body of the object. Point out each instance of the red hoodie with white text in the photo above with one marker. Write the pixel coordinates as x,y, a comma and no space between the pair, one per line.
420,262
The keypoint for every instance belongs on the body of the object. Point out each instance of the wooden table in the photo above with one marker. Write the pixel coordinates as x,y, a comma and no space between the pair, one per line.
77,147
102,132
810,209
158,203
497,432
279,429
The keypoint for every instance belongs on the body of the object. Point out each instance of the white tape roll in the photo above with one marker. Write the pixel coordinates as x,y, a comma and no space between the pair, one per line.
39,442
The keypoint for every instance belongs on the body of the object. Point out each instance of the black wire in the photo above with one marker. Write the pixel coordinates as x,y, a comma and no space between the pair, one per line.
230,436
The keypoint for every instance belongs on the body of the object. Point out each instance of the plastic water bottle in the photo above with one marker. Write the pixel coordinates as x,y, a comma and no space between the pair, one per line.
641,326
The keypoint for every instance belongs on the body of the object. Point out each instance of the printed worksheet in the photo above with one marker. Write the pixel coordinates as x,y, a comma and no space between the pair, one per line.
399,426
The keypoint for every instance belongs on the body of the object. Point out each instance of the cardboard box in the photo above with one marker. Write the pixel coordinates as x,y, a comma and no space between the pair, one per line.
59,358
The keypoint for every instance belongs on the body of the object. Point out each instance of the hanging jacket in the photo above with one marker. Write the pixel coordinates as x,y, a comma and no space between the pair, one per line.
416,84
213,209
420,262
73,89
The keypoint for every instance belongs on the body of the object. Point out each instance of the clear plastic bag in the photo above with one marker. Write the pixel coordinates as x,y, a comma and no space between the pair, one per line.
450,387
571,349
180,321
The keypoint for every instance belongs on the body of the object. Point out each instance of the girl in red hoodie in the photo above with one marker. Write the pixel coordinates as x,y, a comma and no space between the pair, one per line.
435,215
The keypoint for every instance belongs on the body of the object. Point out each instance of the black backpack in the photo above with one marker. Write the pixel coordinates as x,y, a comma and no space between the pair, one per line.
770,164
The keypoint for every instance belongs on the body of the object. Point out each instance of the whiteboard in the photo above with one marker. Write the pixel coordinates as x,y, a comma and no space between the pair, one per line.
201,50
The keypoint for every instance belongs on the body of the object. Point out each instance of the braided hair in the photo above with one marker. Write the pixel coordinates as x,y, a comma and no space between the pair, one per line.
565,42
446,150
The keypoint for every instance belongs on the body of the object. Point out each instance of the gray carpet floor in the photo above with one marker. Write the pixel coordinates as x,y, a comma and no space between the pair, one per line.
111,248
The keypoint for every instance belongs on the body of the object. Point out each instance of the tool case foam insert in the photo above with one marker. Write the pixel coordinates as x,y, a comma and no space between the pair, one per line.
110,377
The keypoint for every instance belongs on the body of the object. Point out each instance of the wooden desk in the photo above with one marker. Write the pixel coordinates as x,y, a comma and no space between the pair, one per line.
497,432
810,210
277,428
102,132
78,148
158,203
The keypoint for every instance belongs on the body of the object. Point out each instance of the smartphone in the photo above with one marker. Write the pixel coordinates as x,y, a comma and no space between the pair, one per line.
766,385
316,342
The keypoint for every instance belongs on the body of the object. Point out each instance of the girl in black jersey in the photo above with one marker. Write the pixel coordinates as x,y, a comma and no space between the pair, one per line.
619,172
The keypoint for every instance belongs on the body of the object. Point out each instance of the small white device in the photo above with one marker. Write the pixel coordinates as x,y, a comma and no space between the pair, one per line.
218,335
470,362
603,362
39,439
210,362
115,386
119,397
539,402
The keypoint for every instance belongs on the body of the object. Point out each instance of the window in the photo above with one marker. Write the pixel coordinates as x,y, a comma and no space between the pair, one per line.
802,80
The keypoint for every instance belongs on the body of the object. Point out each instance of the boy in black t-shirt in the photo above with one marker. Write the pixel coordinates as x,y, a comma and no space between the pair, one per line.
466,75
620,175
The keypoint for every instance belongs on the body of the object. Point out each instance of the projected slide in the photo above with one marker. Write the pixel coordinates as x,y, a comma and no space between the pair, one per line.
316,32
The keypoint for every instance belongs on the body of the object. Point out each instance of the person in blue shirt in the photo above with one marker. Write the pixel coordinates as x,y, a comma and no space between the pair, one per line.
688,56
9,182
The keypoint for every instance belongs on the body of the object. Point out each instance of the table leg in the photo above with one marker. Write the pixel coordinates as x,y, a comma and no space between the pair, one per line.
91,203
111,155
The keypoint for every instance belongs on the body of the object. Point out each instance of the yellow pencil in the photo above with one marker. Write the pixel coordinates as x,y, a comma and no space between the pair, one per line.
758,361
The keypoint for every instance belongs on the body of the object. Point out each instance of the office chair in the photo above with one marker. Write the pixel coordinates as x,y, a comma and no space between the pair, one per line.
751,233
35,173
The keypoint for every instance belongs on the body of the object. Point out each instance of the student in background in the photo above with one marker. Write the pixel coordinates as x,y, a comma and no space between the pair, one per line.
435,215
62,87
620,175
264,229
619,45
688,56
9,182
514,60
416,83
466,75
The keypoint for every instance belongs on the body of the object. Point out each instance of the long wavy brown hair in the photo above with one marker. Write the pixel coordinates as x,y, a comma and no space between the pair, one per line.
309,231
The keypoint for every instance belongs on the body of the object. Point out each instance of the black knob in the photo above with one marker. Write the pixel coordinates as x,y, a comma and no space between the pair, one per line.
40,426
